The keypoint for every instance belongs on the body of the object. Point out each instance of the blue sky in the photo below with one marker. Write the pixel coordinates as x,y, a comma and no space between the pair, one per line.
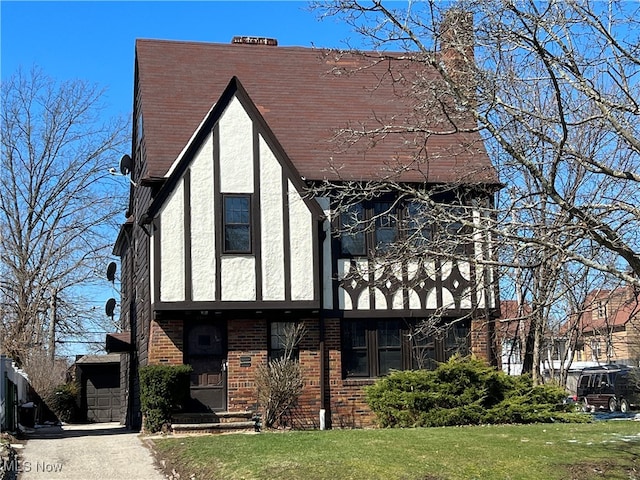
95,41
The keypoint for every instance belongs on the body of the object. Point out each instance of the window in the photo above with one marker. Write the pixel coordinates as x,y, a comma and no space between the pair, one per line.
452,231
424,352
389,346
372,348
352,239
368,226
602,309
284,338
386,230
237,224
457,340
595,350
355,360
375,226
418,227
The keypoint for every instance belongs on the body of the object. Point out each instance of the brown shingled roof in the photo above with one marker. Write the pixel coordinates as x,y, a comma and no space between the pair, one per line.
305,95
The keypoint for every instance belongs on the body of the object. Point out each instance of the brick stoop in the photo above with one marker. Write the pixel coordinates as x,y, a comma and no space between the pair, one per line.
215,422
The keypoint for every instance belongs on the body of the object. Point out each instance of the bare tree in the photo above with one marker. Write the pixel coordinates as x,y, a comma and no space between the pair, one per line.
57,202
280,381
553,87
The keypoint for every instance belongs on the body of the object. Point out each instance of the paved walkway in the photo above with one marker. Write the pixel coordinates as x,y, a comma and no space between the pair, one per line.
103,451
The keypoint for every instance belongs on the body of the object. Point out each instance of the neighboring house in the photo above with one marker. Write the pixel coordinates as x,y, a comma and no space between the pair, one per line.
511,334
15,391
606,330
224,244
609,328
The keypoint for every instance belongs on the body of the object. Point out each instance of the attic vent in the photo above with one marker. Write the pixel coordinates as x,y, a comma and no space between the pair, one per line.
256,41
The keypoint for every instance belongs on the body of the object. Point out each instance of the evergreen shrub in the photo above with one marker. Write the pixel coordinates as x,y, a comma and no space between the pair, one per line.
163,389
62,401
464,392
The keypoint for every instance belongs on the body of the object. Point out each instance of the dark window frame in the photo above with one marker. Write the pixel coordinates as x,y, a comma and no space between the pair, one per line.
438,347
353,236
226,223
368,227
377,218
273,334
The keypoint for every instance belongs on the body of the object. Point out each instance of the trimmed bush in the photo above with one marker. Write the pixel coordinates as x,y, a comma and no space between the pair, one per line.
163,389
463,392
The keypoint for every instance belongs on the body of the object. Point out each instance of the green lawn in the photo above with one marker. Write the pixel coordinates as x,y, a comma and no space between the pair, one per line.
597,450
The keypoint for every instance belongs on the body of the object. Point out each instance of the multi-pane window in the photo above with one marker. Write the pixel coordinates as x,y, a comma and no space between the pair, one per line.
374,226
386,226
369,226
355,358
353,232
389,346
372,348
283,340
457,340
237,224
452,231
418,225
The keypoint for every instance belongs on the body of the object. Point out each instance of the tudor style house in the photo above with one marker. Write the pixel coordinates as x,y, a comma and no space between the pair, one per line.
224,244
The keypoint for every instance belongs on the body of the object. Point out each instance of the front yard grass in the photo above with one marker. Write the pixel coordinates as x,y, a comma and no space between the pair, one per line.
599,450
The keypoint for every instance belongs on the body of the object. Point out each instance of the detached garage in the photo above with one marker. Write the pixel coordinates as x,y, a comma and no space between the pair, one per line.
99,379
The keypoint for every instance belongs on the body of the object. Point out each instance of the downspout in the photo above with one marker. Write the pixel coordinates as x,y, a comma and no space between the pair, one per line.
323,400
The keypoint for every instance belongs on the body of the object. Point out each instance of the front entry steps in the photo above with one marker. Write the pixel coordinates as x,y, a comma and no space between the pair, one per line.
215,422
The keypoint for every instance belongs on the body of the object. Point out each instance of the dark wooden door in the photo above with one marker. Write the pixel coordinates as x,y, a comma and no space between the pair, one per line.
207,354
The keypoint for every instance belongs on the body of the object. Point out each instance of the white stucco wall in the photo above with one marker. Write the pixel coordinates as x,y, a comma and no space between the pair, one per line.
271,219
152,271
238,278
203,248
236,150
301,244
380,301
172,261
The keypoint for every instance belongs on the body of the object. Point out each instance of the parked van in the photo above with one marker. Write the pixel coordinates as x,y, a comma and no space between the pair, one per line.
612,387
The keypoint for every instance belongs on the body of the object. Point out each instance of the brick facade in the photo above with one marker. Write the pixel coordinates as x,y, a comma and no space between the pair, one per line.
247,349
246,338
166,340
483,344
347,404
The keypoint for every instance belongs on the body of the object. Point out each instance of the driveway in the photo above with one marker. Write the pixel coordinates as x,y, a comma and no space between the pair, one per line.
86,452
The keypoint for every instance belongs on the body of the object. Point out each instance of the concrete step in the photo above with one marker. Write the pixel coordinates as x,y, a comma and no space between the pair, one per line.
195,428
215,422
211,417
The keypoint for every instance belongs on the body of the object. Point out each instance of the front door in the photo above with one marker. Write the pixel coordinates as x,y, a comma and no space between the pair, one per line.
206,352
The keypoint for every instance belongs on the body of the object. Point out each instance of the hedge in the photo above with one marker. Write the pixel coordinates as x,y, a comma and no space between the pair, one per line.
163,389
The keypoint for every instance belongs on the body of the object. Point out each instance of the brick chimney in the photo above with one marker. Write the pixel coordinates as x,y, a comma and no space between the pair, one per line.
255,41
456,48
